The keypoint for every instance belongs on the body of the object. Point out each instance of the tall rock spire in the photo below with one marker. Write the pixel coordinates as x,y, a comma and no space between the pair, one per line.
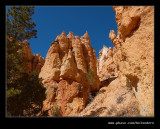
70,35
63,33
85,36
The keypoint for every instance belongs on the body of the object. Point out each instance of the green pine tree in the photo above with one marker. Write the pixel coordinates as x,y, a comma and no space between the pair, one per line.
25,93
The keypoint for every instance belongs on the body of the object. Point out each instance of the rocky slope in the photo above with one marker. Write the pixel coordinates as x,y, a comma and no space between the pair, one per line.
130,92
113,99
69,74
33,62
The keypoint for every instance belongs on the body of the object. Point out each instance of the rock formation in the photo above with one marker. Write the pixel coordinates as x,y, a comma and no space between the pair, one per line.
37,62
132,61
106,67
33,62
135,58
67,65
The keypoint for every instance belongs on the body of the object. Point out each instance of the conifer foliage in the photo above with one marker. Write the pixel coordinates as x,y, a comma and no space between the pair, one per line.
25,93
19,23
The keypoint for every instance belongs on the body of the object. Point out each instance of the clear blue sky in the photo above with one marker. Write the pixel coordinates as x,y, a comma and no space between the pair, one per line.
52,20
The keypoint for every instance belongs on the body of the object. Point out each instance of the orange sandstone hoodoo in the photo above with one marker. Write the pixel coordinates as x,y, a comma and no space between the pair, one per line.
68,61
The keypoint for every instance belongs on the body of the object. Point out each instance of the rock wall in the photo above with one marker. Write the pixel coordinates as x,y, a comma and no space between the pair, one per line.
133,53
136,29
67,65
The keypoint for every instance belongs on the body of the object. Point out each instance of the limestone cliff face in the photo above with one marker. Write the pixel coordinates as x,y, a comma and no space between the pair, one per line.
136,58
133,54
32,61
67,64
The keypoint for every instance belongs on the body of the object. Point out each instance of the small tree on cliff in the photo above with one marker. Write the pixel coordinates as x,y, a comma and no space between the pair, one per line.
91,79
90,76
24,92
